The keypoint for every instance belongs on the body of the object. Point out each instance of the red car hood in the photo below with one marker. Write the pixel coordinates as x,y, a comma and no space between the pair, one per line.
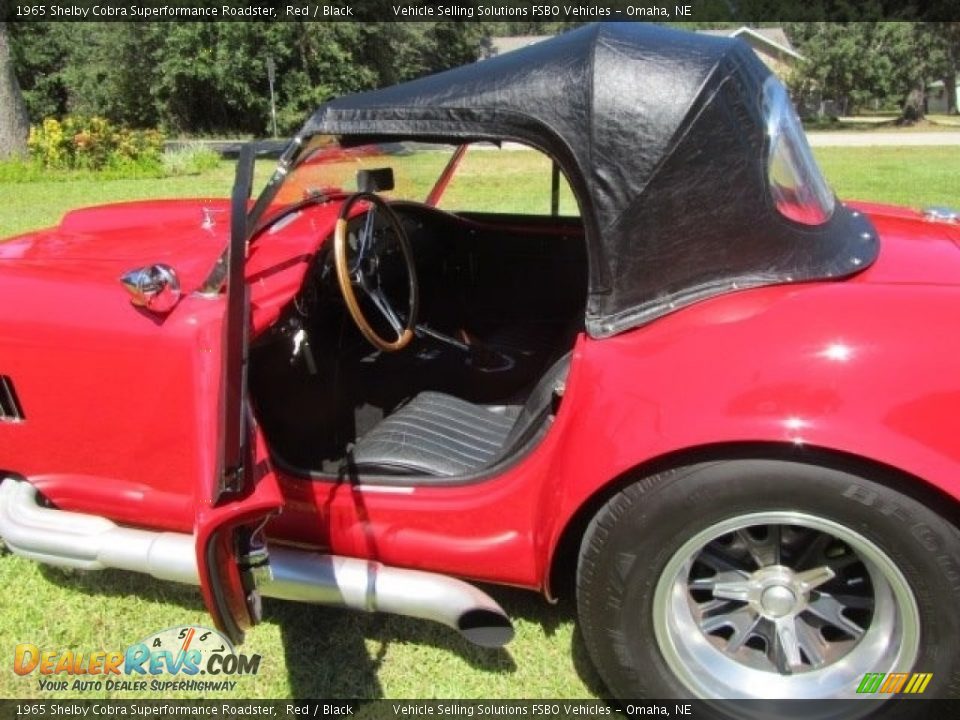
913,249
103,242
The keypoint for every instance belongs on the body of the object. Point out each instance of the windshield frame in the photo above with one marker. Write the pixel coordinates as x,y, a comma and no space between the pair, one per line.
291,154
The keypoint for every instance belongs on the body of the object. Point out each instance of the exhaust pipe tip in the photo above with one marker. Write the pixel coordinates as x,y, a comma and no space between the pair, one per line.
486,628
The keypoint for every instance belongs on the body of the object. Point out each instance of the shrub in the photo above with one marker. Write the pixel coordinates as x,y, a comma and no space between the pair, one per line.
93,143
190,161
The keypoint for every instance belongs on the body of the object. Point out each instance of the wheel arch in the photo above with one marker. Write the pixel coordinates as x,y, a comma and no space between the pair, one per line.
562,563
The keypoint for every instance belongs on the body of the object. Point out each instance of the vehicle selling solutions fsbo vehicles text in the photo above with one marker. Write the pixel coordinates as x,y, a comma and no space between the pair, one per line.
582,12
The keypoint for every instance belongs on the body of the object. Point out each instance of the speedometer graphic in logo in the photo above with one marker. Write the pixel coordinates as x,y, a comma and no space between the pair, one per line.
186,650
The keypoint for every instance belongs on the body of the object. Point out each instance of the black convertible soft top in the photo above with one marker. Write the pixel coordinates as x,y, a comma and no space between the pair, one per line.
661,134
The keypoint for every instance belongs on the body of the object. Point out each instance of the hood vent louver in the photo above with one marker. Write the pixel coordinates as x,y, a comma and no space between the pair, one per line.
10,410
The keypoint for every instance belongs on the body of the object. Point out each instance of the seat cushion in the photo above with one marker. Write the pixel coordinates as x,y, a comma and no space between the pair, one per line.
435,434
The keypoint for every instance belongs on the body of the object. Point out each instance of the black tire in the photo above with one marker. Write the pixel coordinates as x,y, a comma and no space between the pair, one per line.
638,535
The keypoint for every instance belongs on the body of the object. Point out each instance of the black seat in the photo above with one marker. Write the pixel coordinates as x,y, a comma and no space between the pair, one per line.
443,436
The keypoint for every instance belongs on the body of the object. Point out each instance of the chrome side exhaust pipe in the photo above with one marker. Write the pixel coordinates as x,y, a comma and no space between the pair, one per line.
374,587
89,542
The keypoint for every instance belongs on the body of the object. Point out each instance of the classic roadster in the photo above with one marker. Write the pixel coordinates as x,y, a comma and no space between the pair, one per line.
674,370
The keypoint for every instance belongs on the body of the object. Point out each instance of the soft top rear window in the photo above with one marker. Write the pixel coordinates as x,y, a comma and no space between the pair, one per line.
798,188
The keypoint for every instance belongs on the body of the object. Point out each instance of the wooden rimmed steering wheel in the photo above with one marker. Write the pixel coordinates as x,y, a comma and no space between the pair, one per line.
363,270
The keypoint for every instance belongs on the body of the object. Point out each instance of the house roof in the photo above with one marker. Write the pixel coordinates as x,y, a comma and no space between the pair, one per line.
500,45
773,37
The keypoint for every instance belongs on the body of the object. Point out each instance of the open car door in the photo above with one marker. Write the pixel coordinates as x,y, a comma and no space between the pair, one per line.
234,505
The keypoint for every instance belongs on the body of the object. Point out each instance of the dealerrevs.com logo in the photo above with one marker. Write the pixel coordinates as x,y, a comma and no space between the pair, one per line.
188,658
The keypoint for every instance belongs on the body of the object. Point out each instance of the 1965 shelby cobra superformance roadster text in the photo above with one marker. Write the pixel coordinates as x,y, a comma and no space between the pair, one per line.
721,401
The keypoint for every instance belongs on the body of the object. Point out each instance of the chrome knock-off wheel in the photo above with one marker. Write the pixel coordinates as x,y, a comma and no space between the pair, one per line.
769,579
784,605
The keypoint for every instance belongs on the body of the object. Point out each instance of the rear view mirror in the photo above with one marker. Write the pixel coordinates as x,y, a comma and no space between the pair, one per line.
375,180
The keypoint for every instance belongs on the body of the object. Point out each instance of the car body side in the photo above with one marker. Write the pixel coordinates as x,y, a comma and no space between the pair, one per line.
121,406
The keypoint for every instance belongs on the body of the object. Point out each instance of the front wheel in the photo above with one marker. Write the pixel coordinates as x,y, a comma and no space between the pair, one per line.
769,579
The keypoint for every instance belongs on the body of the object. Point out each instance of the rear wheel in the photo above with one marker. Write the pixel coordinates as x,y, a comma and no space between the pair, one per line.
767,579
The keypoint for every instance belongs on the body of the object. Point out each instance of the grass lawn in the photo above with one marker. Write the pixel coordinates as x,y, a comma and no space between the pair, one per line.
917,176
32,205
307,651
914,176
322,652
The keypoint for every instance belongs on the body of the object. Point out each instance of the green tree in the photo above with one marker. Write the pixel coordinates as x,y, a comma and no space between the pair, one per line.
845,62
210,77
40,56
449,44
111,69
315,62
854,62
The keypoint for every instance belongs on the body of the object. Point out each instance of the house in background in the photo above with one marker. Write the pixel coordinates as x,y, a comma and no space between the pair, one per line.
937,97
771,45
501,45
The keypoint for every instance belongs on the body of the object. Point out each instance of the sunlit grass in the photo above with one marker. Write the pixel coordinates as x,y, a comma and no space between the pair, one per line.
307,651
492,181
913,176
33,205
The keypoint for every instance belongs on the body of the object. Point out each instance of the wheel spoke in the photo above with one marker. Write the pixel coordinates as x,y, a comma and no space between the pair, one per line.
708,583
739,590
786,654
838,563
744,623
718,560
815,577
812,643
853,602
766,551
813,555
710,607
827,608
741,620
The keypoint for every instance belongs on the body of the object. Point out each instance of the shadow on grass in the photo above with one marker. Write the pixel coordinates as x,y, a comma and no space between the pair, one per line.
326,649
120,584
327,656
533,608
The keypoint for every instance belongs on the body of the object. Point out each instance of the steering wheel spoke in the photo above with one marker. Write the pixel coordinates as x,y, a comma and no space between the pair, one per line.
363,271
380,301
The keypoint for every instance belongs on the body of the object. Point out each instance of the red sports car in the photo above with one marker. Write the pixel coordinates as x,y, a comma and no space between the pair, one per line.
678,372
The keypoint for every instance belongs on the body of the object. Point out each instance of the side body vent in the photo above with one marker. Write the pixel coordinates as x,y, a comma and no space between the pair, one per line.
10,410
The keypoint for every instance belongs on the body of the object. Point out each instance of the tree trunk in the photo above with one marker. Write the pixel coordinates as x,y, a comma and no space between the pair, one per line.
950,87
14,125
914,106
952,31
